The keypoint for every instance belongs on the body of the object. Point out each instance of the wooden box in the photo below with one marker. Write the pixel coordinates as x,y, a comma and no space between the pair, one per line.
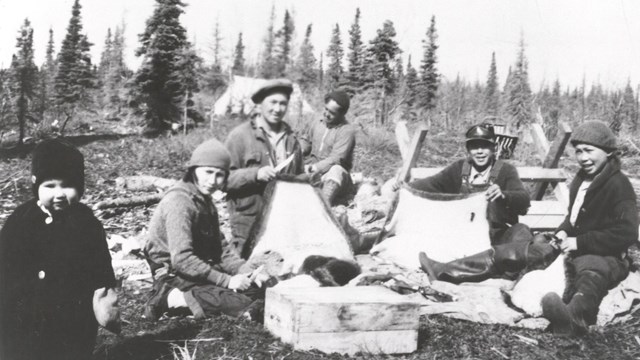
368,319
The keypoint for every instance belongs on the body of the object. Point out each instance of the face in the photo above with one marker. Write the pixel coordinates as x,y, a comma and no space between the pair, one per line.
209,179
333,113
590,158
481,152
57,195
274,107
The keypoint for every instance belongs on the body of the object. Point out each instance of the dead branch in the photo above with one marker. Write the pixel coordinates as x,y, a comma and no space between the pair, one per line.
128,202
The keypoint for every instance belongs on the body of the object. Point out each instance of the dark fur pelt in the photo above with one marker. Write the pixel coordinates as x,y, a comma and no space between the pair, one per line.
569,279
330,271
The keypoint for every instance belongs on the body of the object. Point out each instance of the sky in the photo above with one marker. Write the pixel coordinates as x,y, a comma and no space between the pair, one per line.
568,40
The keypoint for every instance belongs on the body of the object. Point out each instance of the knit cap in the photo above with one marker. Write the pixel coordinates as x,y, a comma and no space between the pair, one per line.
210,153
60,160
340,97
595,133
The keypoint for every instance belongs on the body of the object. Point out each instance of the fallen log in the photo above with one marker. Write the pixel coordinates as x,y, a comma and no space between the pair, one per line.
144,183
128,202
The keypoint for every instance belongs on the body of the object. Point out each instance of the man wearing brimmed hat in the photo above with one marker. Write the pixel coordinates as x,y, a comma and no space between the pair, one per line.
258,148
329,146
481,171
601,225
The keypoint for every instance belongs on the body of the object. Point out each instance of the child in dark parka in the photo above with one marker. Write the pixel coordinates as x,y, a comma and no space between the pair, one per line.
601,225
56,279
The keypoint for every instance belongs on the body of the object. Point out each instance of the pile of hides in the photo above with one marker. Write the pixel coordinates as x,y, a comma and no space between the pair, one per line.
446,227
452,227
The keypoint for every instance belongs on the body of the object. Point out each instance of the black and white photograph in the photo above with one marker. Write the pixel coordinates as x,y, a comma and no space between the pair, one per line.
307,179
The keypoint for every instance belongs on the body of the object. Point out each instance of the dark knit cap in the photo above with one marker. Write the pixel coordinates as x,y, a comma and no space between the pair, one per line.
284,86
340,97
595,133
211,153
57,159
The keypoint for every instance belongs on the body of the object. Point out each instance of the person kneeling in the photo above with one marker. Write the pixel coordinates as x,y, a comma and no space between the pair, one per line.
191,263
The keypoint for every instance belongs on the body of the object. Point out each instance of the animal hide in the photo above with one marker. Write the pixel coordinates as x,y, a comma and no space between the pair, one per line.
297,223
444,226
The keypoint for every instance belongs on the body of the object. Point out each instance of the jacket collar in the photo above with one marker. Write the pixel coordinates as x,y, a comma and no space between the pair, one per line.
611,168
333,126
258,133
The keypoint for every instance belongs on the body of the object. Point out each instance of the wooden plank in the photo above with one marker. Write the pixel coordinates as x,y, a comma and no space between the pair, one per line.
540,140
414,152
366,342
403,139
544,207
542,222
526,174
552,156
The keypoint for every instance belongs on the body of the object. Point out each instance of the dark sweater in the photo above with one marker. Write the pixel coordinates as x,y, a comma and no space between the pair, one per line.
608,220
48,275
516,199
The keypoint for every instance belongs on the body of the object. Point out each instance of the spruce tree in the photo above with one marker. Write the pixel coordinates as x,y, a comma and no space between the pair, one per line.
429,77
335,53
163,78
283,51
519,96
629,110
355,67
213,78
555,109
113,71
268,66
46,81
75,72
306,72
381,54
411,84
491,92
105,58
24,78
238,57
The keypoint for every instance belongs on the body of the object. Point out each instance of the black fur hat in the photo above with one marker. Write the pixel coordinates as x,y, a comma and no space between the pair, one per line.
57,159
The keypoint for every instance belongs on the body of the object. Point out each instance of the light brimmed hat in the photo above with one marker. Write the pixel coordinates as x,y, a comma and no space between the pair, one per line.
270,86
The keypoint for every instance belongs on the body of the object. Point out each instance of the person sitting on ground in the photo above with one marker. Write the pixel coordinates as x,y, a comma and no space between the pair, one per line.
258,147
329,146
601,225
192,266
56,277
499,180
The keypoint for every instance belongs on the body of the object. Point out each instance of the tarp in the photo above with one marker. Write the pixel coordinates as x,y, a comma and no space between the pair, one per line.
446,227
237,98
295,223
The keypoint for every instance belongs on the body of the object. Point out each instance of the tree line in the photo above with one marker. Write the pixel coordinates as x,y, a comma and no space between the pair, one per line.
385,86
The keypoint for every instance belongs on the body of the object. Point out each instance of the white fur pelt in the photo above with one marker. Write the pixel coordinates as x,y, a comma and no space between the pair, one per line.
444,229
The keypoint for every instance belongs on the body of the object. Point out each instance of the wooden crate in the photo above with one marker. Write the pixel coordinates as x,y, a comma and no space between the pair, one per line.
368,319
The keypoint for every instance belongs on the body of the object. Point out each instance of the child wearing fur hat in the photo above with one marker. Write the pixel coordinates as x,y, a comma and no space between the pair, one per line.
191,263
601,225
56,279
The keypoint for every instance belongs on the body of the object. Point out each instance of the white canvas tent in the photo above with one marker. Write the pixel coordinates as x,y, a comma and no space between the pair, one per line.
237,98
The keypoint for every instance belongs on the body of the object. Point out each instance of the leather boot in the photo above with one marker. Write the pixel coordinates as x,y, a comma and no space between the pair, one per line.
574,318
474,268
157,302
330,191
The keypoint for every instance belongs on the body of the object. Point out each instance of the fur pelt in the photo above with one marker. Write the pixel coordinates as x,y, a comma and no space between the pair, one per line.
330,271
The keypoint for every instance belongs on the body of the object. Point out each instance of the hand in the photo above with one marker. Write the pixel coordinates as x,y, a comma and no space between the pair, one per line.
562,235
397,185
569,244
239,282
260,278
494,193
310,169
266,173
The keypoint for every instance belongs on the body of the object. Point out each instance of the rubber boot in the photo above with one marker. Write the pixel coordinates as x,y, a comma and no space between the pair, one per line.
474,268
574,318
330,191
